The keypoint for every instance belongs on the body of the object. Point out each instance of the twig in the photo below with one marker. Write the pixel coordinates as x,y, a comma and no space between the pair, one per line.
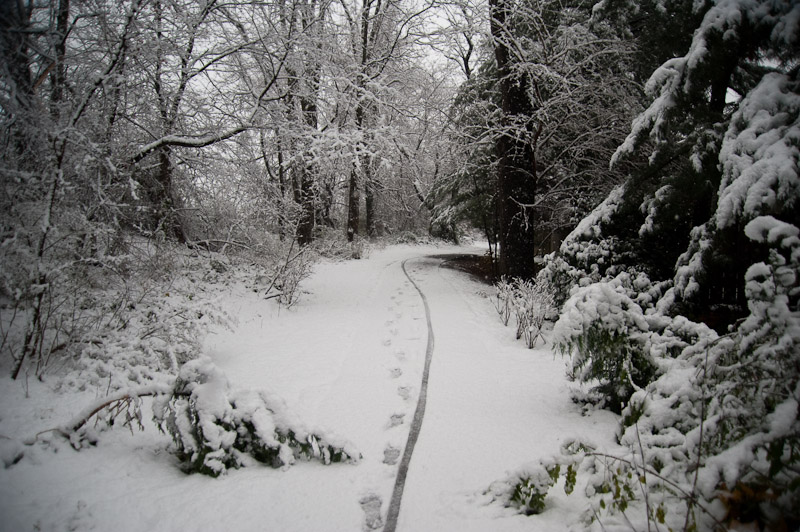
690,496
72,426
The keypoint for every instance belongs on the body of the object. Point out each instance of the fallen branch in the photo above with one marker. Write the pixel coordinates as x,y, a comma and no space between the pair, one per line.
208,243
116,399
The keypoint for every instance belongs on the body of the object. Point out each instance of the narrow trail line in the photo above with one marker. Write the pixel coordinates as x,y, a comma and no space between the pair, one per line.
416,423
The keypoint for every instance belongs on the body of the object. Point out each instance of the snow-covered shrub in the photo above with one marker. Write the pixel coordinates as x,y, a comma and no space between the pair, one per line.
216,427
531,488
504,299
288,273
560,276
151,322
118,319
533,303
332,244
587,255
606,334
714,438
526,488
628,494
720,425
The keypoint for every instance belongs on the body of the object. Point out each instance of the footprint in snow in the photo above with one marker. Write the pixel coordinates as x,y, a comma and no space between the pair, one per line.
404,392
395,372
371,504
387,342
390,455
393,332
400,355
396,420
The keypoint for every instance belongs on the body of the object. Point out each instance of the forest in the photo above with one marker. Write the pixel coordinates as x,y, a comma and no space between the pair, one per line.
631,169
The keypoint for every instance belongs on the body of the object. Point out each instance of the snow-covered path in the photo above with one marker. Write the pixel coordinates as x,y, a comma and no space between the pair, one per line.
347,359
492,405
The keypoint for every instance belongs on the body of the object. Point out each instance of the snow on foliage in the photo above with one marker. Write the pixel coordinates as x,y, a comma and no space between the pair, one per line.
609,338
583,255
589,227
759,158
216,427
531,303
760,153
683,75
525,488
714,429
722,419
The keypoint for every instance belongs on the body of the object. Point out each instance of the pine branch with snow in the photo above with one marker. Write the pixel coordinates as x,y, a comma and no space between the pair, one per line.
216,428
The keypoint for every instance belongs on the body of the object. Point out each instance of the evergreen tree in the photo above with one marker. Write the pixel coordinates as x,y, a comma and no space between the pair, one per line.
699,107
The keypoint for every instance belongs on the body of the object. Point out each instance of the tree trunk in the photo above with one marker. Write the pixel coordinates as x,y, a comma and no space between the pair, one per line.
305,227
516,169
59,72
353,200
325,206
307,174
166,214
14,50
370,200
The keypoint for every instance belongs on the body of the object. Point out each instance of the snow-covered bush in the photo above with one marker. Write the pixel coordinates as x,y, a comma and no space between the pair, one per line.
531,303
530,488
119,319
216,427
290,267
722,420
526,488
332,244
716,435
587,255
504,299
607,335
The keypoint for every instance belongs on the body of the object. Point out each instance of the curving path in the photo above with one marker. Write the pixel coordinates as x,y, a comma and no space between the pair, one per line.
416,422
489,406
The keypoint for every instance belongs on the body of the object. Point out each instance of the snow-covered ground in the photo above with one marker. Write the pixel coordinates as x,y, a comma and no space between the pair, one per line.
347,359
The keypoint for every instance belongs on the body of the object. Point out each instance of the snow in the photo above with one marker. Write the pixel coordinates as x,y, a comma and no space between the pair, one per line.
759,153
589,226
679,75
347,360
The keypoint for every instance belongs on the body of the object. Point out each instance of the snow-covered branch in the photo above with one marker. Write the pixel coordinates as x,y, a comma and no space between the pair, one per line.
186,141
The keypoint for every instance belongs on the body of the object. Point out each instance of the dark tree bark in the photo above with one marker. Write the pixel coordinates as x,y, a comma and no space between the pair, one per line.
353,200
516,169
354,194
14,49
59,72
307,172
370,203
